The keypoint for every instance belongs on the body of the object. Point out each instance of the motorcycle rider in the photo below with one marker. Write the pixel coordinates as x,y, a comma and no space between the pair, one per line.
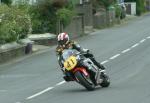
65,43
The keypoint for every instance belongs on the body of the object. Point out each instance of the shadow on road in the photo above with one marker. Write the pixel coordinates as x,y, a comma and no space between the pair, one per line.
81,90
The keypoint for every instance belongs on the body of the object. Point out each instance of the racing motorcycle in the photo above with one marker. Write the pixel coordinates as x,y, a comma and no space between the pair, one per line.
73,63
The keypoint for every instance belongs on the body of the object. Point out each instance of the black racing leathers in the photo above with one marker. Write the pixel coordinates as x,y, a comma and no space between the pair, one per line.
74,45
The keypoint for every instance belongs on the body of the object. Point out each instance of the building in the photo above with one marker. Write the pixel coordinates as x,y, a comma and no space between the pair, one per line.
20,1
120,1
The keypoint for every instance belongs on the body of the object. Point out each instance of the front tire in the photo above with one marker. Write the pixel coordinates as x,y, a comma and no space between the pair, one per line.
106,80
85,81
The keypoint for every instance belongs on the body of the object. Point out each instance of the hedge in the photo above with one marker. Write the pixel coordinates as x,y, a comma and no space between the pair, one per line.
14,24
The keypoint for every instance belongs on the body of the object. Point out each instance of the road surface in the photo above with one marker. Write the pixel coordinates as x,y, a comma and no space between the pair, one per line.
124,50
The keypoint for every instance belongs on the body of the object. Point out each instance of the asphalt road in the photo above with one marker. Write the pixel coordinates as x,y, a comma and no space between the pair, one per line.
124,50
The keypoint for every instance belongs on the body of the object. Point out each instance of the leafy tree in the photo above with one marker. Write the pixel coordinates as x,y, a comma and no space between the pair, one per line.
46,13
7,2
43,17
105,3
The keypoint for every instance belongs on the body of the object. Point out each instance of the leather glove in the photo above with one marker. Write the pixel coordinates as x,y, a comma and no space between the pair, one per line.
86,50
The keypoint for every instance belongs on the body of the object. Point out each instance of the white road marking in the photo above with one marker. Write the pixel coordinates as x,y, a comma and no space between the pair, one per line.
104,62
60,83
37,94
124,51
142,40
115,56
135,45
148,37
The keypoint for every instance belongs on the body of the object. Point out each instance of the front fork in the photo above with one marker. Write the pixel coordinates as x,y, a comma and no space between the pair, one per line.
98,78
92,67
98,73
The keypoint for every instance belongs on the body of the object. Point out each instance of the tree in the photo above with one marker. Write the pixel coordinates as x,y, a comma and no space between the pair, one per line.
105,3
59,3
7,2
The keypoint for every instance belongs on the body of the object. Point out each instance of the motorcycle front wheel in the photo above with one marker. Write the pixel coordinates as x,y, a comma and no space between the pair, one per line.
106,80
84,81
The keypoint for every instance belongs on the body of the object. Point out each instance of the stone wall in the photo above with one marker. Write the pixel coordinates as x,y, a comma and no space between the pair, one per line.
88,14
110,17
10,51
104,19
46,39
99,20
75,28
85,10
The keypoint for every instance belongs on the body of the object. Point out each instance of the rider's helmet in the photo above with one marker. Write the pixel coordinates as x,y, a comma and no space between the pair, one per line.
63,39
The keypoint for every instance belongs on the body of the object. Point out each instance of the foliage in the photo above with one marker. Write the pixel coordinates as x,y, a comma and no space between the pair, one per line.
45,14
105,3
7,2
140,7
16,21
14,24
118,11
65,16
43,17
59,3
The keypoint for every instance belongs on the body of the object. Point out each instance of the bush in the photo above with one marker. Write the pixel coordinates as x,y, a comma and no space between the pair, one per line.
140,7
14,24
106,3
43,17
117,11
7,2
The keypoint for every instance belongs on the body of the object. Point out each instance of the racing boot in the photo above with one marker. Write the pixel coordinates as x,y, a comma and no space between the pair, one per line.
100,66
68,77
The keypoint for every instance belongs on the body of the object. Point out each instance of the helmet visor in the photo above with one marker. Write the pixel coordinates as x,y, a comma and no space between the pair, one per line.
63,42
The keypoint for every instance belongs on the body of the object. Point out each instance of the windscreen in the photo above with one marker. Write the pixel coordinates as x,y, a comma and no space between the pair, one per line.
68,52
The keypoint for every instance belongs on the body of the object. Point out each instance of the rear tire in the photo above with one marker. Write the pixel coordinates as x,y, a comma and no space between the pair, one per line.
83,80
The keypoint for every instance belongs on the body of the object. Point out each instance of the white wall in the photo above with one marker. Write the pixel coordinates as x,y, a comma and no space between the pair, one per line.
30,1
133,7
